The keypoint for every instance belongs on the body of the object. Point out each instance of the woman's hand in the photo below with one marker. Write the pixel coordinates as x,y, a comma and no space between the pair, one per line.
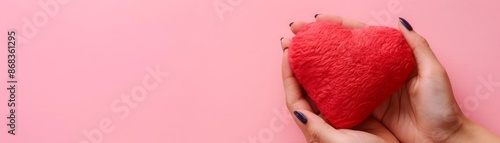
423,110
315,129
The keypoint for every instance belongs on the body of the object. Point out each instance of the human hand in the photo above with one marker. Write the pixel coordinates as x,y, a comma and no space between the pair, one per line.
313,126
423,110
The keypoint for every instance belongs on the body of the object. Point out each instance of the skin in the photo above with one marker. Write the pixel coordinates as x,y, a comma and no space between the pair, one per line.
423,110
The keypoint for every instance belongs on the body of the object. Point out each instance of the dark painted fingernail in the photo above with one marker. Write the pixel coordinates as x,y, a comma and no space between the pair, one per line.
290,24
281,39
286,48
405,23
316,15
301,117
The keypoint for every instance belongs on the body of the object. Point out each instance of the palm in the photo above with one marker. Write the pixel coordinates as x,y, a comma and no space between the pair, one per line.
421,110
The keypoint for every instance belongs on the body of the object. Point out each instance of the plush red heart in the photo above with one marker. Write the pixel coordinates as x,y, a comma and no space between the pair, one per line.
349,72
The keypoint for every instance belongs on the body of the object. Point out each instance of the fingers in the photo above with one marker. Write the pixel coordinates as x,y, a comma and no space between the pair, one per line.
314,127
427,63
329,18
285,43
296,26
295,98
345,22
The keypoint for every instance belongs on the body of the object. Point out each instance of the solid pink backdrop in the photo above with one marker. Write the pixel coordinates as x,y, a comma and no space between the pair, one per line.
82,57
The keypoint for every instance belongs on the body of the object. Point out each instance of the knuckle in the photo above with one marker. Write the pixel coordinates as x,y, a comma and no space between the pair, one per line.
421,42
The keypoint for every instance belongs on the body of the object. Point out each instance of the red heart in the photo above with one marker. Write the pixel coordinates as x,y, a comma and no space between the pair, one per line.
349,72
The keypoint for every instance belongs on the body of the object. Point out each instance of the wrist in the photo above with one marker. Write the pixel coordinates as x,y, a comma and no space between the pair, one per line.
471,132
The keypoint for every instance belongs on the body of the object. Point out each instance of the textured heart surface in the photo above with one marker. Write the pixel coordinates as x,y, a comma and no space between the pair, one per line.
348,73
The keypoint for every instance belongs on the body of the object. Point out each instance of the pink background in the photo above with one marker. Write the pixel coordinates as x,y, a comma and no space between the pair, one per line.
224,76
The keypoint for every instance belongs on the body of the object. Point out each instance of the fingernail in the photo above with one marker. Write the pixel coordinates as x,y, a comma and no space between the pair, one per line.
316,15
286,48
281,39
405,23
301,117
290,24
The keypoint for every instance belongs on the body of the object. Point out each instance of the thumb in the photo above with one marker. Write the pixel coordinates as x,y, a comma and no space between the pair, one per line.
427,63
314,127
